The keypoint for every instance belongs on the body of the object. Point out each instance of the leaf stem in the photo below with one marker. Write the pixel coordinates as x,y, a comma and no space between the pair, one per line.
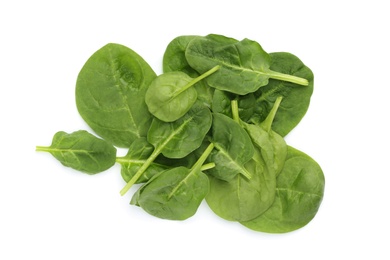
203,157
42,148
235,113
140,171
286,77
197,79
207,166
267,123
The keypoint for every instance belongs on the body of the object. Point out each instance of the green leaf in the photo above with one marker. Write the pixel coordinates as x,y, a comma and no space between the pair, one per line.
233,146
176,139
222,104
174,60
138,153
299,193
245,66
110,94
81,151
296,99
241,199
171,94
176,193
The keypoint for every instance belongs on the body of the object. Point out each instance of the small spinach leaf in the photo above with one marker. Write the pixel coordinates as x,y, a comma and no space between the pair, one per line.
110,93
81,151
176,193
233,148
299,193
171,94
245,66
174,60
296,99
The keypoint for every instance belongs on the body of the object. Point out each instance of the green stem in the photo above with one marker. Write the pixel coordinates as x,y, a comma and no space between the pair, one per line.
267,123
207,166
197,167
203,157
140,171
234,105
42,149
286,77
197,79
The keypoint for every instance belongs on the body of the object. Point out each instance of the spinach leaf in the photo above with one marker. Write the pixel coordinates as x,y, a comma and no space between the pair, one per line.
222,104
279,146
176,193
233,148
245,66
174,56
241,199
81,151
138,153
110,94
296,99
299,193
174,60
176,139
171,94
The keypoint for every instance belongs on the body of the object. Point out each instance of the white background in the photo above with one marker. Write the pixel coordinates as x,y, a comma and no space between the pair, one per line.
48,211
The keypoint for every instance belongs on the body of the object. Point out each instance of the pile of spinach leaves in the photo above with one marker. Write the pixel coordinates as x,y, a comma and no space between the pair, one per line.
210,127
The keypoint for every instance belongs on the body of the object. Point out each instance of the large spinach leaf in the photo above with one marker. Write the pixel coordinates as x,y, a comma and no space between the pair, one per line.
296,99
110,94
81,151
299,193
245,66
176,139
176,193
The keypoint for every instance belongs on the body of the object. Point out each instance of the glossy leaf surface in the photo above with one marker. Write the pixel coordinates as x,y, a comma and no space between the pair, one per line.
81,151
110,93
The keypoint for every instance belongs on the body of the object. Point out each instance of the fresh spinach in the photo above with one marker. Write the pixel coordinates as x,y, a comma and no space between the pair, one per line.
299,192
241,199
233,148
296,99
221,105
81,151
138,153
171,94
176,193
110,94
174,60
175,139
245,66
